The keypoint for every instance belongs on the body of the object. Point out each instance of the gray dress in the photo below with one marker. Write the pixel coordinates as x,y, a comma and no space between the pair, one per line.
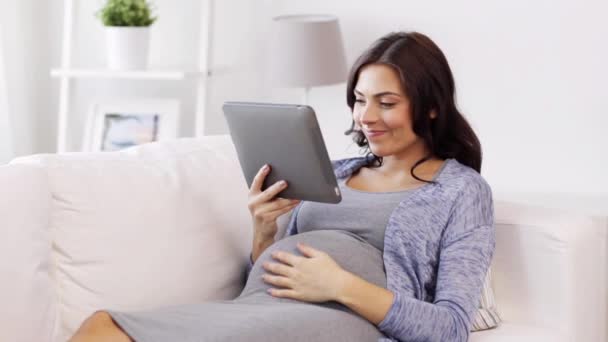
352,232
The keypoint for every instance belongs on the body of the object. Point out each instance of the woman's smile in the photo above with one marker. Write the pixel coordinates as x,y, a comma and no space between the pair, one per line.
374,134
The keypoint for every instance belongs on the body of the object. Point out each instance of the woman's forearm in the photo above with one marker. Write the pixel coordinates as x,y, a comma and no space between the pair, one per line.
260,244
370,301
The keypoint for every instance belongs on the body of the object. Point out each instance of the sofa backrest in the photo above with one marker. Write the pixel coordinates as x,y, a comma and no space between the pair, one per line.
156,225
550,269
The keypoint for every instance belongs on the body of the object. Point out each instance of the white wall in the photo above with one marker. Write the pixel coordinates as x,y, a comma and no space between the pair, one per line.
530,75
26,59
6,136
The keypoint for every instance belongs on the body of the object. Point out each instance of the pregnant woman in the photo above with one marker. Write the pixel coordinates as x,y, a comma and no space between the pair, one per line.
402,257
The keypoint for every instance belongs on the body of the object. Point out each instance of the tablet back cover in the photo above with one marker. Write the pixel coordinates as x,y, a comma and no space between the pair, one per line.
288,138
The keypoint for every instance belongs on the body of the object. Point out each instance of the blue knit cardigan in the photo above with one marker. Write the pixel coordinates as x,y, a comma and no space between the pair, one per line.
438,245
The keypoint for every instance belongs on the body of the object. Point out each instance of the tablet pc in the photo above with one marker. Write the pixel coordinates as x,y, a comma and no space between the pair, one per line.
288,138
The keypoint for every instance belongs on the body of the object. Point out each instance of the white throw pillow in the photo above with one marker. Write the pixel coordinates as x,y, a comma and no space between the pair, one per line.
27,300
156,225
487,316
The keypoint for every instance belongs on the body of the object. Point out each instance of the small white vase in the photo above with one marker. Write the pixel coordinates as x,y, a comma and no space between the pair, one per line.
127,47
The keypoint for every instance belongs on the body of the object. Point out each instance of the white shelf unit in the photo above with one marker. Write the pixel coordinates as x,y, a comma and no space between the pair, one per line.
66,72
170,75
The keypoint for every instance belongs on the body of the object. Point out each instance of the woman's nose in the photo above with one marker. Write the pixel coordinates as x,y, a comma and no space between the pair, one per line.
368,115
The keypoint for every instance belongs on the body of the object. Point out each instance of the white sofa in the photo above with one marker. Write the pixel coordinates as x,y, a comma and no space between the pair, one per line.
167,223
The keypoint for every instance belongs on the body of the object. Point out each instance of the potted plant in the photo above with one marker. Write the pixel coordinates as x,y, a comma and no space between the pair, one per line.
127,24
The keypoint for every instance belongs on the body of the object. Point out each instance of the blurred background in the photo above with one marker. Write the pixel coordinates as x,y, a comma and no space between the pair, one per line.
530,75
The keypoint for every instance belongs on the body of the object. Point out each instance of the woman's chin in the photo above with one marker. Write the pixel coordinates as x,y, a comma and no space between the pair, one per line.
378,151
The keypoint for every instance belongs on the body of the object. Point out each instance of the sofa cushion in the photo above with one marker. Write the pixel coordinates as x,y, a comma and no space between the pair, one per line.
156,225
27,306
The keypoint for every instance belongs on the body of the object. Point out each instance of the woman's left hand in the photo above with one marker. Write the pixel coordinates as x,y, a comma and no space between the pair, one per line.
316,277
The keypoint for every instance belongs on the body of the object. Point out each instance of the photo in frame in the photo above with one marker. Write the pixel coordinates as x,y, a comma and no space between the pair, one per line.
116,125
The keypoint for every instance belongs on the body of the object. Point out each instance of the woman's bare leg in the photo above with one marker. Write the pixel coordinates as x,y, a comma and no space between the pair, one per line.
100,327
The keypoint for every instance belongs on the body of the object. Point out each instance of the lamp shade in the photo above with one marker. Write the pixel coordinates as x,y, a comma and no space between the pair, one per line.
306,51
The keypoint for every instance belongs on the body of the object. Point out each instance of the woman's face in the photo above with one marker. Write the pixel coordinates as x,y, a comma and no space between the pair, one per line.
381,105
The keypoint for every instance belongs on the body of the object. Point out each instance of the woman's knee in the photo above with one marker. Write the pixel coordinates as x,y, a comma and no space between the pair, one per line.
100,327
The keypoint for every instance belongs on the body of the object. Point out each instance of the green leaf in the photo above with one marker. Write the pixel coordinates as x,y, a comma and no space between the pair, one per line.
126,13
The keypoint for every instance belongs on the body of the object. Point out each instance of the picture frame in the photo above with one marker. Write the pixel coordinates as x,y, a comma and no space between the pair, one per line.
116,125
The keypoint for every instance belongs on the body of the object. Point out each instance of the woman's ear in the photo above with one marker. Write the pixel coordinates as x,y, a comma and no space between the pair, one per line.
433,114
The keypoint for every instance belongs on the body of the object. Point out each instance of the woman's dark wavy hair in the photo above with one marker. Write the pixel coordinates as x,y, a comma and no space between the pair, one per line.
427,81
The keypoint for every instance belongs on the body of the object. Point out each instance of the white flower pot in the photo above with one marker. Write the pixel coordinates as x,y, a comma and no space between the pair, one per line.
127,47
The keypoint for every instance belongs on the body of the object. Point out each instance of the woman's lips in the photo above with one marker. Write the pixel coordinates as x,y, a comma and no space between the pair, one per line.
373,134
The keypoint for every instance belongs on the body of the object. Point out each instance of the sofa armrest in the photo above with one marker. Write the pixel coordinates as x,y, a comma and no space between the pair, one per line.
27,297
550,269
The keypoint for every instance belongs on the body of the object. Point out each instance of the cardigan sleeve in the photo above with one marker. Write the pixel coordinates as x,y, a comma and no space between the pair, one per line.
466,249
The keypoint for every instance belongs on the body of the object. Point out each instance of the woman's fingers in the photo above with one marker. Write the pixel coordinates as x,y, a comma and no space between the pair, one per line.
277,280
271,216
271,191
276,208
267,195
258,180
284,209
277,268
279,203
265,205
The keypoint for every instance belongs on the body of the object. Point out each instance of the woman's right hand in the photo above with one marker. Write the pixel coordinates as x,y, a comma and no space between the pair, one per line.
264,207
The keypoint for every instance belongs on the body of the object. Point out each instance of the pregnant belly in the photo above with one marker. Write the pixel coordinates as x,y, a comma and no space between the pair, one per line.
350,252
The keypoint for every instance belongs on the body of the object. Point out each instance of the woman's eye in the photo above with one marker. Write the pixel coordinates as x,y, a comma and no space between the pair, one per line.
386,104
359,101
